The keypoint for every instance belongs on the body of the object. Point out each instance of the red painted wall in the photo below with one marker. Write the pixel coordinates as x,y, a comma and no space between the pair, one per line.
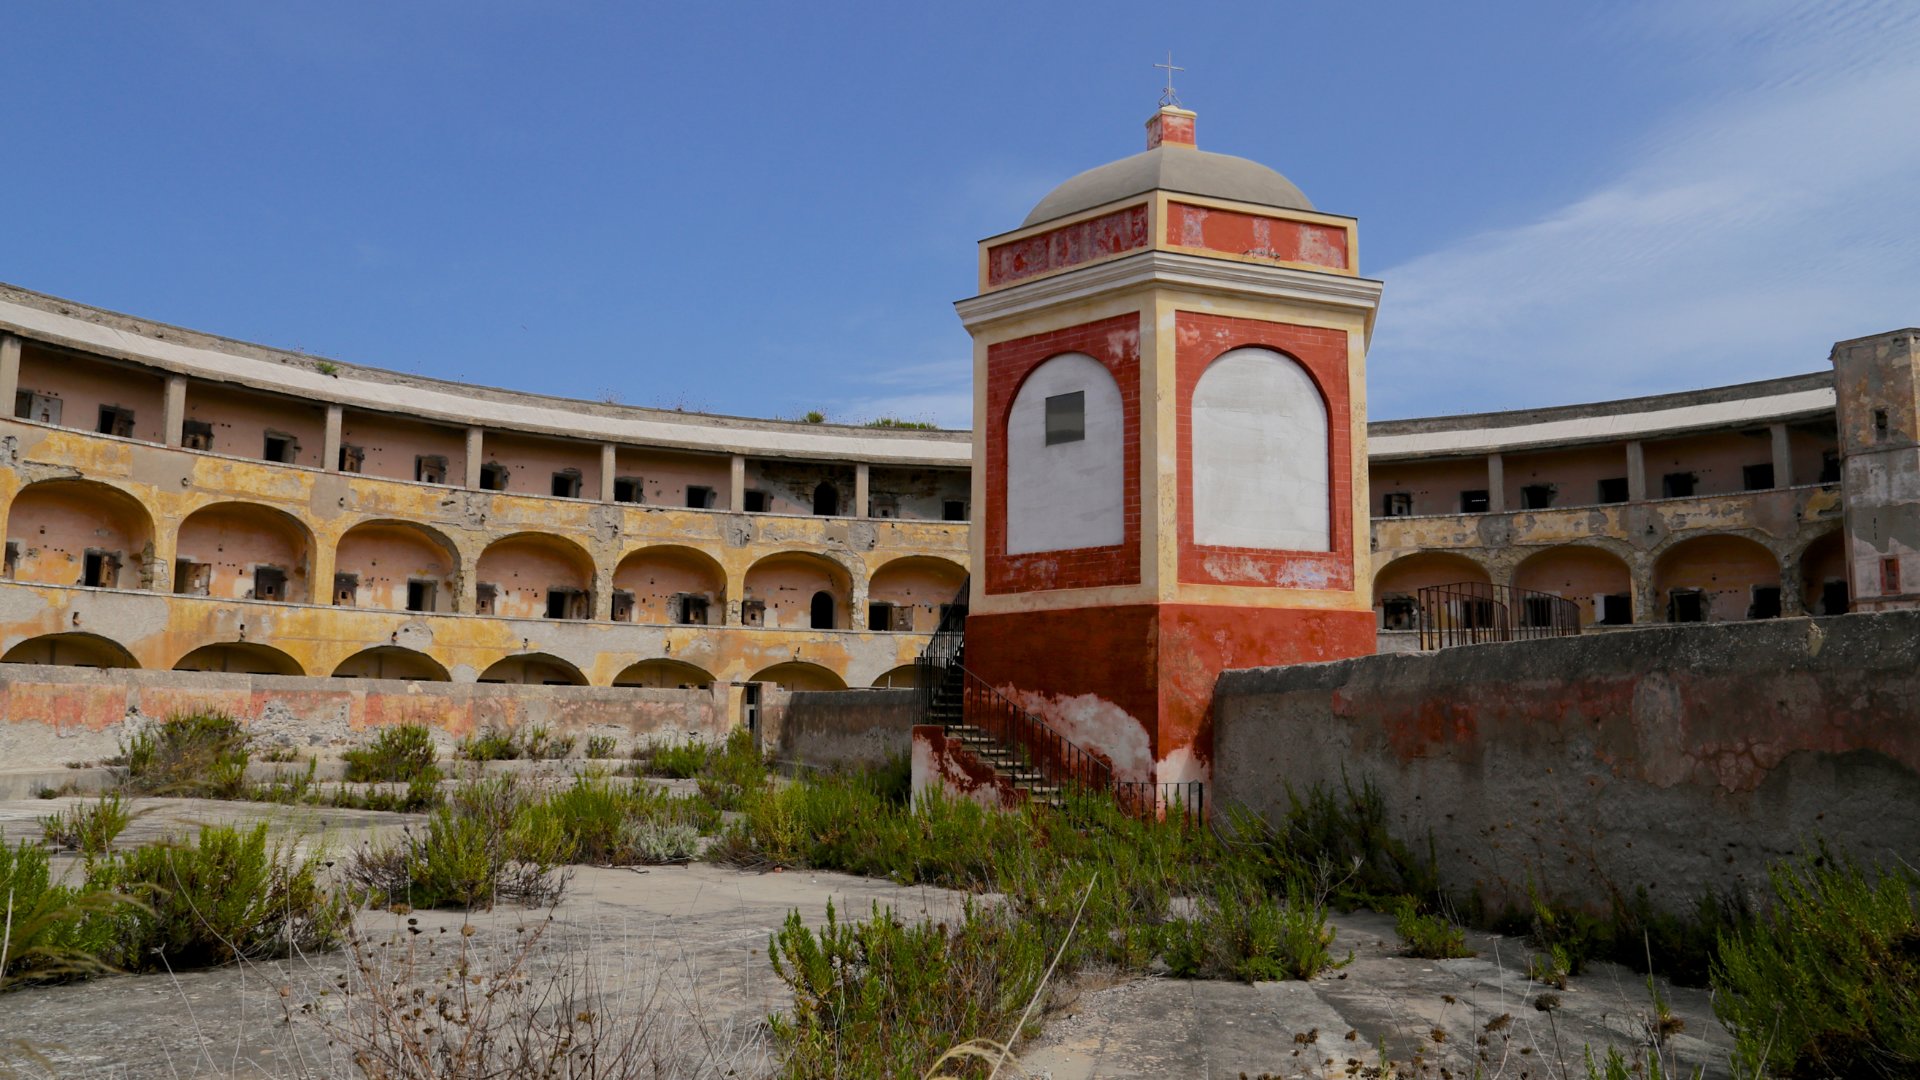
1236,233
1070,245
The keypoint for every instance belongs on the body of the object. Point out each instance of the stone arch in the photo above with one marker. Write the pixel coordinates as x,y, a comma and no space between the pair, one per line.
535,576
1719,577
1822,568
670,583
1397,585
68,531
534,669
245,657
780,590
801,675
1066,458
243,551
1598,581
664,673
392,662
71,650
391,565
913,589
1260,475
906,676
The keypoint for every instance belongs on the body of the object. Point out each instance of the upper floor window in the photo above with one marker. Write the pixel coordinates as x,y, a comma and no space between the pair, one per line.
1829,466
566,484
1880,425
196,435
1678,485
493,476
1757,477
352,458
754,502
953,510
40,408
1613,490
627,489
826,499
115,420
1474,501
430,469
699,497
1397,504
1537,496
1066,418
281,447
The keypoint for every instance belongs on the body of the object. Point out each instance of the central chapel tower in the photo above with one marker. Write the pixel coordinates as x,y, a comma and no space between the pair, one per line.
1169,448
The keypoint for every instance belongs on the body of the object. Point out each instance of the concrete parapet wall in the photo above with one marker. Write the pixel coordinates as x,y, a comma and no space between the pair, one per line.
1679,759
841,729
50,715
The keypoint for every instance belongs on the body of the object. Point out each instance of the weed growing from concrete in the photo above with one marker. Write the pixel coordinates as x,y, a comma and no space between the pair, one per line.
52,933
486,844
399,754
536,742
89,828
190,754
1430,936
600,747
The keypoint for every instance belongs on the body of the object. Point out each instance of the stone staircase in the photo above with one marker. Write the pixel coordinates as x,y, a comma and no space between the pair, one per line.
947,708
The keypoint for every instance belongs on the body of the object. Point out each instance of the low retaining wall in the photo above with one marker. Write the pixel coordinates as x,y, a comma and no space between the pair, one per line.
839,729
1678,759
50,715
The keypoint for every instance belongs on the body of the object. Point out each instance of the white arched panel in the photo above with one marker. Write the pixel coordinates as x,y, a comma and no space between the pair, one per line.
1259,455
1067,494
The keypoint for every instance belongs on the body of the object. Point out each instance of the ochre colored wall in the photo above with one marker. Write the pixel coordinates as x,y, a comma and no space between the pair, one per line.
385,556
787,584
531,462
523,568
1578,574
655,574
233,539
56,522
920,583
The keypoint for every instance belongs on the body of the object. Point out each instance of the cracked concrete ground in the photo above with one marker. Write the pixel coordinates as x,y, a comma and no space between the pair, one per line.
691,942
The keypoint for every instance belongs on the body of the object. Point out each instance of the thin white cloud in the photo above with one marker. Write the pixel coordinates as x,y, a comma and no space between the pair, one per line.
1747,233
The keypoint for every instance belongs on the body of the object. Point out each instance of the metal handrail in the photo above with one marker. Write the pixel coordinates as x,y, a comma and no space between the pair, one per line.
1473,613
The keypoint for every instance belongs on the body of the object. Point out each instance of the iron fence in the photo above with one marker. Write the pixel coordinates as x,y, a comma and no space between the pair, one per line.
1472,613
1186,802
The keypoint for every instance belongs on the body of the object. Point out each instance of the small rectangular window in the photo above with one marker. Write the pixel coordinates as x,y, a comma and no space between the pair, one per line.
627,489
755,502
1615,609
1889,577
753,612
1399,613
12,564
1678,485
1834,598
1067,418
1537,611
346,590
430,469
622,606
280,448
566,484
191,578
699,497
115,420
269,583
1474,502
1537,496
196,435
1829,466
953,510
40,408
1397,504
420,595
1686,606
566,604
493,477
1766,602
485,597
352,458
1757,477
880,616
1880,425
93,569
692,610
1613,490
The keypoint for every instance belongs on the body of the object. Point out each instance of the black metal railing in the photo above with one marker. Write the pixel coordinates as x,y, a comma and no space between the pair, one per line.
1472,613
1054,756
1146,799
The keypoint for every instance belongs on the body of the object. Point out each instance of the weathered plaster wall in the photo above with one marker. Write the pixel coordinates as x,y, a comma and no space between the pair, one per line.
655,575
1434,485
1715,459
941,764
232,541
531,462
846,729
665,476
384,557
918,585
390,445
1068,494
241,419
523,568
1574,474
1676,758
82,388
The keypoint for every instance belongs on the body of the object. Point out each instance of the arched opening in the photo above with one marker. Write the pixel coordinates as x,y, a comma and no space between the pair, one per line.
1397,585
1260,476
394,566
78,532
822,611
1599,582
904,677
392,662
534,669
911,593
664,674
783,591
670,585
800,675
826,499
71,650
534,576
1823,576
1066,458
1717,578
243,551
241,657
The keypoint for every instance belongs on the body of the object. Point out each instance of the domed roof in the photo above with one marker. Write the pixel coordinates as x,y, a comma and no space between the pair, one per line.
1171,168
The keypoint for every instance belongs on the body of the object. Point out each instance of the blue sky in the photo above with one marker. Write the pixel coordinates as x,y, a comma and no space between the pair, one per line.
763,209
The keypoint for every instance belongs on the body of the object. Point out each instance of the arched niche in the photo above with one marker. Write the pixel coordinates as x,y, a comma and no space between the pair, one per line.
781,590
1823,576
71,650
243,551
392,662
1717,578
801,675
664,674
906,676
909,593
1260,475
1397,585
535,576
240,657
533,669
1599,582
78,532
1066,458
670,584
395,566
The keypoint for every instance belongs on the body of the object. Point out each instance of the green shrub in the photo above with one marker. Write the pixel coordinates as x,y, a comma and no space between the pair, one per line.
399,754
1827,981
673,760
600,747
229,896
1245,932
489,744
89,828
194,754
49,932
488,843
1429,936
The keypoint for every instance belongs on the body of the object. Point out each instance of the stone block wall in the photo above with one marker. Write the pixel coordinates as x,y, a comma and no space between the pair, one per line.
841,729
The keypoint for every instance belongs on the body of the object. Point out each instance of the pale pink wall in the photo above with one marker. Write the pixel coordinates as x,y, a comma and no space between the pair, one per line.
56,522
787,584
1578,574
83,385
390,445
535,669
523,568
1726,568
1408,575
654,575
1577,473
531,462
234,539
922,584
1435,485
1715,459
1808,450
917,494
665,475
663,674
241,420
385,557
1824,560
801,676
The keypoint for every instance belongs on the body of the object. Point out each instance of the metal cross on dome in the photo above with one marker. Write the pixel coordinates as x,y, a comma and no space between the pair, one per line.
1167,96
